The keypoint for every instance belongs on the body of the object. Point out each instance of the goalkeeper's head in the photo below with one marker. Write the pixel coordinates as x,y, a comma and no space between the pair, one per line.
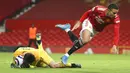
29,58
23,61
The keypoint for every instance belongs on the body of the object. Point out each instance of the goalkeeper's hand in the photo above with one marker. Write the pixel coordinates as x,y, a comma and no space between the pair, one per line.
12,65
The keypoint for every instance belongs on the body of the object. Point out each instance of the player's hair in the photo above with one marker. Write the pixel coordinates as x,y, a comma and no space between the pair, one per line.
29,58
113,6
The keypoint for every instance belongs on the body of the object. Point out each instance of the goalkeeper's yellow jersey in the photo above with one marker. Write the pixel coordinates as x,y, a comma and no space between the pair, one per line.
42,58
23,50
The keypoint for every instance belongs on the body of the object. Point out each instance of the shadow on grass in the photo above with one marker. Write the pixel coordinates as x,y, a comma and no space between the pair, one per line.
58,70
82,71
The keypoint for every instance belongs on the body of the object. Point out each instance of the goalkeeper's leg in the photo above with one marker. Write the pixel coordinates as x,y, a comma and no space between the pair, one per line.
66,27
61,65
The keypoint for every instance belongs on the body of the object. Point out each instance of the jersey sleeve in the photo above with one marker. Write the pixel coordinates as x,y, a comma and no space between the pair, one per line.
85,15
116,30
95,11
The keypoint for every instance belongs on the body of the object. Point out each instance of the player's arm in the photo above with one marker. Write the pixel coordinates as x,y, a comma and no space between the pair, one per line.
85,15
116,30
88,13
116,35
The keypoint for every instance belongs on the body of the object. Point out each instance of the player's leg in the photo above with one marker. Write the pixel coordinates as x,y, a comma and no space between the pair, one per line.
46,58
70,65
72,36
77,42
42,64
30,42
61,65
85,38
66,27
35,43
85,35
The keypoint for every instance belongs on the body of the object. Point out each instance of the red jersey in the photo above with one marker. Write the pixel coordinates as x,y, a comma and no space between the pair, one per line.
100,11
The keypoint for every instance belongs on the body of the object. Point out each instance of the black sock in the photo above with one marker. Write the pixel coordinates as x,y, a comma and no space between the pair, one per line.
74,65
72,36
77,45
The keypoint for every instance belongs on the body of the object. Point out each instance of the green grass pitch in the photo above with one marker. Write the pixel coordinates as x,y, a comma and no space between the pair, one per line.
98,63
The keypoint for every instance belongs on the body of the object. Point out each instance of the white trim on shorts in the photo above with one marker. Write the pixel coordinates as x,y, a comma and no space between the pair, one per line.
86,25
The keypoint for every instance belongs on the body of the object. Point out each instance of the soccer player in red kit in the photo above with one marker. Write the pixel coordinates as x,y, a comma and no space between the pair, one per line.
95,19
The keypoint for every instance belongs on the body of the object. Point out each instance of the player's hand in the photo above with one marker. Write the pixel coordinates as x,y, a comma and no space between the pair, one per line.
77,25
114,50
12,65
99,20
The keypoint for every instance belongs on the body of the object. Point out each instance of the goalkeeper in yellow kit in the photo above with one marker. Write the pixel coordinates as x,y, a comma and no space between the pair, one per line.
27,57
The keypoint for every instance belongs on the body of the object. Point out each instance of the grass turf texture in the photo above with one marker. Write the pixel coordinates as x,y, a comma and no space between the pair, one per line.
98,63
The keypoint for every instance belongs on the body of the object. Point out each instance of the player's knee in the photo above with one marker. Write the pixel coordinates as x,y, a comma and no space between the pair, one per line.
85,41
86,36
53,65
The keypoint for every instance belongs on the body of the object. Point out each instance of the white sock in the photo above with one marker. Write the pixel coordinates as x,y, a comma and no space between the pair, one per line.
67,30
67,54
